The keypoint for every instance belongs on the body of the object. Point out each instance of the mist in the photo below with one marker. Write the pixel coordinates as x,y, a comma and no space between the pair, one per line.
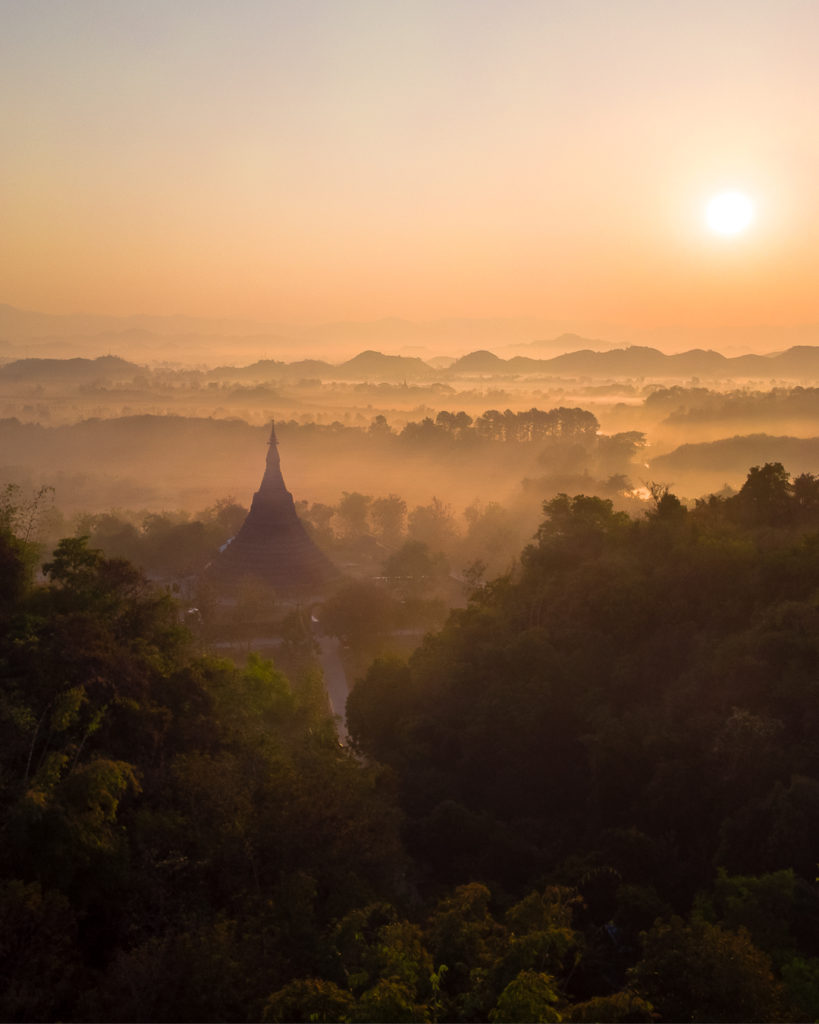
483,430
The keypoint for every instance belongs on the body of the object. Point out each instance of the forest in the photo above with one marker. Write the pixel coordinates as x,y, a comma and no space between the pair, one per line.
590,794
578,778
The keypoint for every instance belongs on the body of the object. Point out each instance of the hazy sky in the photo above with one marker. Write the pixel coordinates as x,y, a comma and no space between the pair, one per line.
312,160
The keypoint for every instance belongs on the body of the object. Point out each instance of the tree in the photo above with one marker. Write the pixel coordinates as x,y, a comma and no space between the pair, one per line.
113,534
620,1006
528,997
227,515
388,515
379,427
702,972
491,426
581,526
352,512
39,961
416,568
492,535
541,936
17,561
309,999
75,566
21,516
765,499
616,453
806,496
455,423
376,706
432,524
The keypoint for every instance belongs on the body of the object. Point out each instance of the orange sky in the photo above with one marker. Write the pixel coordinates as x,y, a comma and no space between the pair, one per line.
308,161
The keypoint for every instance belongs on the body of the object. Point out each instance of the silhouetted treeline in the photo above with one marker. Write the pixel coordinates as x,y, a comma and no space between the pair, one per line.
159,463
740,409
698,468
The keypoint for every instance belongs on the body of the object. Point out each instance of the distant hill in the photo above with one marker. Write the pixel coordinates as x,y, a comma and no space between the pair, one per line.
640,361
799,364
265,370
801,360
376,365
479,362
71,370
367,365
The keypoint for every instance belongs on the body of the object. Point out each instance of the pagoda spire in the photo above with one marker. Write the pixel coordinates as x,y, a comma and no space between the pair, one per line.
273,544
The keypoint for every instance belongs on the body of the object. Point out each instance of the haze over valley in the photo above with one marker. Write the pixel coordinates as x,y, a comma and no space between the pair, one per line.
95,428
409,511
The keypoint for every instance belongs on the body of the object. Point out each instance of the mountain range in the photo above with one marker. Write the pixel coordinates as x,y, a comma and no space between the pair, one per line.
202,340
800,363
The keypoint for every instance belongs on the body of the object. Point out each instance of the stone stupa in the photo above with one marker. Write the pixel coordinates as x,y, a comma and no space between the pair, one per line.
272,544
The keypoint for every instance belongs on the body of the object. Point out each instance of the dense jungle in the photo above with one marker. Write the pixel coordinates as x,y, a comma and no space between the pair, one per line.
590,792
577,778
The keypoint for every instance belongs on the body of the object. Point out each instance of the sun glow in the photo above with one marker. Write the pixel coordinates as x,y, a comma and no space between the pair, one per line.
729,213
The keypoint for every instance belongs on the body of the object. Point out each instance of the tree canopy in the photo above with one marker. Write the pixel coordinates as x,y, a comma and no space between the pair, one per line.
593,795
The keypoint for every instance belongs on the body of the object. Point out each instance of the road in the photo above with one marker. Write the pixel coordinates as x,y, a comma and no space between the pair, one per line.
335,680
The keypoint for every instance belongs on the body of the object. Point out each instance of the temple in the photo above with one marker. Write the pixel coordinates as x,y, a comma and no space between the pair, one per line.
272,544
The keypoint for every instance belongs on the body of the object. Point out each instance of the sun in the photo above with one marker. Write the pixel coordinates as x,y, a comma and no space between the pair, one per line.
729,213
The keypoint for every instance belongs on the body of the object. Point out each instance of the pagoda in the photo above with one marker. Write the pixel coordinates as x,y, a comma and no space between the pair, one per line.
272,544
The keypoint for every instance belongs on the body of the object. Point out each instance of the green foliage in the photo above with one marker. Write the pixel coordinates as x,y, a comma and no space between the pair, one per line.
623,725
702,972
541,933
764,905
462,934
619,1006
634,674
75,566
376,705
199,820
800,976
309,999
529,997
166,543
388,1000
